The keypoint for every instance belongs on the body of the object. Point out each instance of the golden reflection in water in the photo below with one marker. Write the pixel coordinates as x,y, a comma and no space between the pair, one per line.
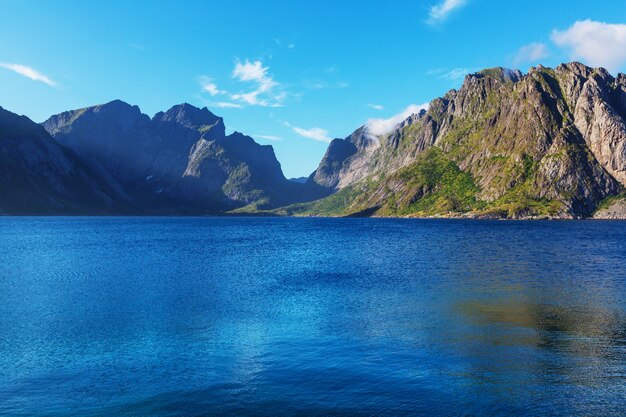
590,336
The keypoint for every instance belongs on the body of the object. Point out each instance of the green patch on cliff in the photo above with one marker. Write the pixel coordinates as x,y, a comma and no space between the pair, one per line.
521,200
518,202
338,204
609,201
433,185
239,186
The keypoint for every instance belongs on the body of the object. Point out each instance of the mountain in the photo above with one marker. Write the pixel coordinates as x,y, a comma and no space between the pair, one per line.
179,161
551,143
40,176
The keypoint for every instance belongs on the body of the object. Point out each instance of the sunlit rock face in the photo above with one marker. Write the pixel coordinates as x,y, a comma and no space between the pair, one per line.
550,143
613,209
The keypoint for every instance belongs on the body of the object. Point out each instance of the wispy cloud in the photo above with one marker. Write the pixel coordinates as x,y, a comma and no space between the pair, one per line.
440,12
226,105
208,86
29,72
315,133
451,74
212,89
456,73
265,94
269,137
376,106
379,127
531,53
595,43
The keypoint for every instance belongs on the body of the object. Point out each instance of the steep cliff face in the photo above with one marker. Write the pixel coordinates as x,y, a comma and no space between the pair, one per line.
612,208
40,176
549,143
346,160
181,160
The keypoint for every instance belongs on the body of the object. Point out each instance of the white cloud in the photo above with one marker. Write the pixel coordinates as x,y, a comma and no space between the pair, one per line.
379,127
252,71
531,53
268,137
211,88
291,45
265,93
597,44
315,133
226,105
456,73
441,11
376,106
28,72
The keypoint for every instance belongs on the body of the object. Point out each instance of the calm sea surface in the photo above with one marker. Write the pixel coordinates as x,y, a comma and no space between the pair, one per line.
264,316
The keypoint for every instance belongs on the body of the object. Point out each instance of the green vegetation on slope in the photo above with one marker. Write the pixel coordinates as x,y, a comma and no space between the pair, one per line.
337,204
432,185
504,145
609,201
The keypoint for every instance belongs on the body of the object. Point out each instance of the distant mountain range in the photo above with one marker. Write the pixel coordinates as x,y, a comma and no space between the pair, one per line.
124,162
551,143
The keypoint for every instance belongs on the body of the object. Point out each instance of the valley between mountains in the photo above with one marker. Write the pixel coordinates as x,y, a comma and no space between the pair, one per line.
547,144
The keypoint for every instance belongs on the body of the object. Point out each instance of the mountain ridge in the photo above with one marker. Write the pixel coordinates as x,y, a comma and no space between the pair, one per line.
550,143
40,176
180,160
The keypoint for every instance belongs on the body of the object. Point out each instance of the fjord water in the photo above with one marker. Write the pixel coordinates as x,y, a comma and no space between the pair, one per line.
284,316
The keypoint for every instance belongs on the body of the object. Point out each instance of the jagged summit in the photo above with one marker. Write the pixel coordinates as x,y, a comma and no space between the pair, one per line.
551,142
499,74
180,159
548,143
189,116
40,176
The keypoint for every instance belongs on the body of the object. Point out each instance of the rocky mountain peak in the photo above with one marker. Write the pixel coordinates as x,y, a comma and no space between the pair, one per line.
17,126
39,176
116,112
190,116
181,159
551,142
500,74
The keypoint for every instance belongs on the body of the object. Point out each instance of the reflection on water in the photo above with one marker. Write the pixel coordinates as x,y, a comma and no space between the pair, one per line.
575,323
102,316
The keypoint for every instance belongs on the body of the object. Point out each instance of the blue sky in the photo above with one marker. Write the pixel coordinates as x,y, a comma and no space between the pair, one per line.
292,74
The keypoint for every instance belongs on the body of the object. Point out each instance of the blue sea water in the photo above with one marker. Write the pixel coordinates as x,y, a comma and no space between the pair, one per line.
284,316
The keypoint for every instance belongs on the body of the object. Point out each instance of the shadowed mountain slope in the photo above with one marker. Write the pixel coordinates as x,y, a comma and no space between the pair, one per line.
180,161
40,176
